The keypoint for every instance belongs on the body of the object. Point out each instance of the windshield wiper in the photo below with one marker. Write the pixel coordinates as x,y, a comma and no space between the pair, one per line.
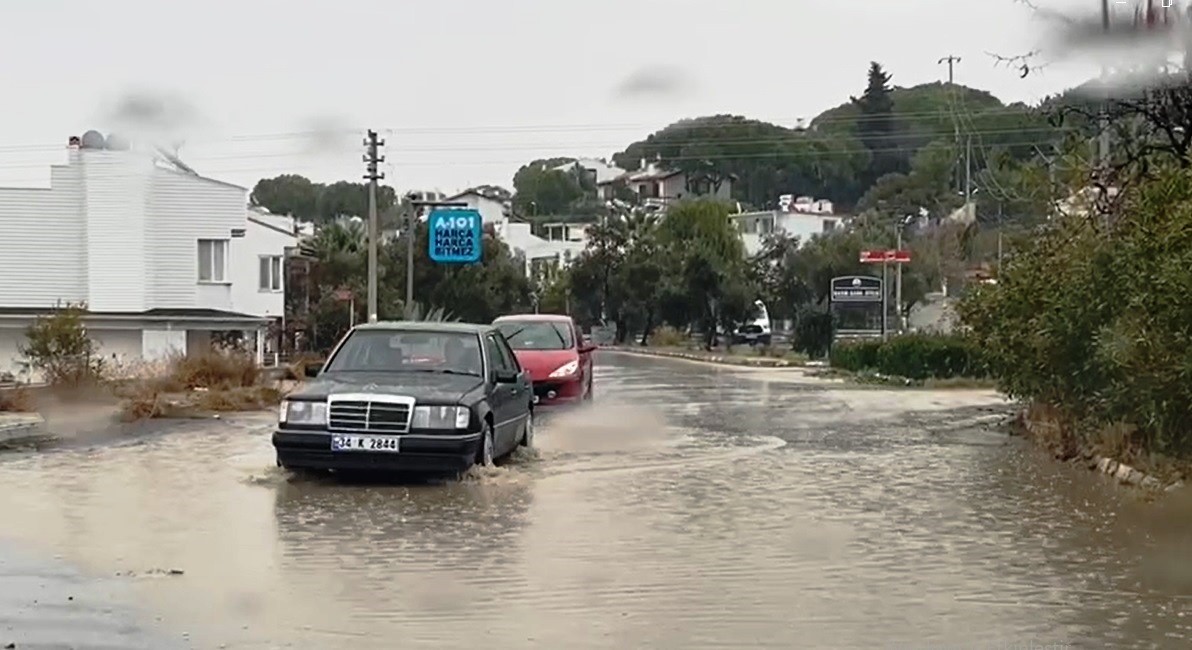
446,371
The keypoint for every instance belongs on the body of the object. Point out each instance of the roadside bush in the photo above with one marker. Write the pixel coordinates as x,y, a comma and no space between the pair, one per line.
668,337
913,356
216,369
855,356
813,334
16,400
58,346
1094,321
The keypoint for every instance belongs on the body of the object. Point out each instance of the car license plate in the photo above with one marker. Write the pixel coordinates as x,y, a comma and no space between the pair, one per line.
385,444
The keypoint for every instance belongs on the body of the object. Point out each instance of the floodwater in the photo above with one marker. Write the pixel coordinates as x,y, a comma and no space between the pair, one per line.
689,506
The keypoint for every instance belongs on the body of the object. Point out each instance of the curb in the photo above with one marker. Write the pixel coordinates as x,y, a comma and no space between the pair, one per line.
15,428
1121,472
721,360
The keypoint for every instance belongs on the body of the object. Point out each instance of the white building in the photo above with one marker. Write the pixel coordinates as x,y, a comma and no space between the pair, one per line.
658,187
496,211
801,217
597,171
160,256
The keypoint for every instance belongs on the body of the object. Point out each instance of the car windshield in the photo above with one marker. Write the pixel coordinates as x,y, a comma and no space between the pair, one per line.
409,351
537,335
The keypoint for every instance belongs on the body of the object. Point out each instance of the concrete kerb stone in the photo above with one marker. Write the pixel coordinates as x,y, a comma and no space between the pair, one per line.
1121,472
758,362
18,427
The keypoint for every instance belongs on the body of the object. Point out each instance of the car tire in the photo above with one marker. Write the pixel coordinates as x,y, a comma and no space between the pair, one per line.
527,439
486,454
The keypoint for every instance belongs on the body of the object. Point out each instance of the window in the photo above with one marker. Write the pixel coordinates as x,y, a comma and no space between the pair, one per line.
523,335
829,225
408,351
213,260
500,359
270,273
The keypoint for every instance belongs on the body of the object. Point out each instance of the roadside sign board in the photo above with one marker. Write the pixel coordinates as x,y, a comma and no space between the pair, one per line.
856,288
456,236
885,257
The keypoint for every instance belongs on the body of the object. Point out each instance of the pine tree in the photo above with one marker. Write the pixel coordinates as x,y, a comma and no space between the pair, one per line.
876,124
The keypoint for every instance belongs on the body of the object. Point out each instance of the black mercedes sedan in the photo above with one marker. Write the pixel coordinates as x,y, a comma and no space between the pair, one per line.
409,397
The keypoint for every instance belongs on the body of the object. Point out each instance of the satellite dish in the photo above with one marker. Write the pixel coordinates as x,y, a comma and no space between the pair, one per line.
118,143
93,140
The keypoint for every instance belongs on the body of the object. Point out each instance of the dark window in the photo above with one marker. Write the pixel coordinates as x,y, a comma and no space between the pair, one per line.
408,351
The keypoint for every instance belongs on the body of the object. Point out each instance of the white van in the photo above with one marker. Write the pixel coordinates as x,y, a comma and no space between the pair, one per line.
756,330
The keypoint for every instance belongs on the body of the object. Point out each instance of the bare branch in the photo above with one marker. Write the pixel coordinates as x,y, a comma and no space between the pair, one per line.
1023,63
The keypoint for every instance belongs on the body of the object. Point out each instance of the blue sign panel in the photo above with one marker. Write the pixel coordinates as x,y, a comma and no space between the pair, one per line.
456,236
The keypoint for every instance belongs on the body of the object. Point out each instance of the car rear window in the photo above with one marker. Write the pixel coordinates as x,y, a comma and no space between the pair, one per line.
537,335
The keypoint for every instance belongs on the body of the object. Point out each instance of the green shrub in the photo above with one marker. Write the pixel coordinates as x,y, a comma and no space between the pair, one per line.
1095,322
855,355
914,356
813,334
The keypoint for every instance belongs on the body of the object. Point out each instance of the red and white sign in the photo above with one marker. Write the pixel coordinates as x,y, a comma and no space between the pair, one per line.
885,257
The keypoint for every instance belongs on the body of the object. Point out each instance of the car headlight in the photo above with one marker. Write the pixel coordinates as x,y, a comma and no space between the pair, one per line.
441,417
565,370
305,413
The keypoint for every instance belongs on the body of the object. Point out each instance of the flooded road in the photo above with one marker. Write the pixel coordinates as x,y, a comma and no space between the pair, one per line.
689,507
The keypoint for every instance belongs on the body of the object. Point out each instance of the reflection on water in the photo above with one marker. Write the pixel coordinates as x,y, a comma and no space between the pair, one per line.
682,510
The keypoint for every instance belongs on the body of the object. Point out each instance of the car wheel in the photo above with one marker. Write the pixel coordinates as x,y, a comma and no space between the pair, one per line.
528,435
486,455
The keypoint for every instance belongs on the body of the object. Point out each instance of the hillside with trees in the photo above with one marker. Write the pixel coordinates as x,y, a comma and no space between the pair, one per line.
884,149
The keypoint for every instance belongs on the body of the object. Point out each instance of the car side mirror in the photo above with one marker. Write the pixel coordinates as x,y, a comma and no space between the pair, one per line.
311,371
505,376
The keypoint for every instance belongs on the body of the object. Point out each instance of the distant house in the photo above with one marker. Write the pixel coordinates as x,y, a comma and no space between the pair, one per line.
655,186
496,211
161,256
597,171
801,217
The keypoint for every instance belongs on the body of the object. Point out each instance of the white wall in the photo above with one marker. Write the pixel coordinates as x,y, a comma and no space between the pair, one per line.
264,236
184,209
115,190
803,226
43,243
492,211
157,344
117,346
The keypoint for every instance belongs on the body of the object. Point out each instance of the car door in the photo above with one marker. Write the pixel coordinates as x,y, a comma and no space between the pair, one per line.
504,396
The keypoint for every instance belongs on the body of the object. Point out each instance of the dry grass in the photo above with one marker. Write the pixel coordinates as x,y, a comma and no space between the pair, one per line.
199,385
1052,430
16,400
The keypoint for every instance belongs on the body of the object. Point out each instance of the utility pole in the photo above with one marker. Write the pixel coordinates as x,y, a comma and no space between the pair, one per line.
372,159
968,173
950,60
1103,152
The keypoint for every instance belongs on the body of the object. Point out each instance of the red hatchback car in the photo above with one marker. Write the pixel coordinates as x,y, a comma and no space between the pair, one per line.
552,349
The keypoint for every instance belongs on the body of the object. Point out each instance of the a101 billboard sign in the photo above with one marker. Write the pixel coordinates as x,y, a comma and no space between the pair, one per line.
456,236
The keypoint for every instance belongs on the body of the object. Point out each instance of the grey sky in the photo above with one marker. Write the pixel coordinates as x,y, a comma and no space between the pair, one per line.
465,91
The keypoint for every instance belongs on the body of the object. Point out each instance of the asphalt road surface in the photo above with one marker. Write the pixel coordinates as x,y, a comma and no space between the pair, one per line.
689,506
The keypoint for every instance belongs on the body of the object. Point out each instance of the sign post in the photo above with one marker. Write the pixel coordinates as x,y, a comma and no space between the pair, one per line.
857,295
885,258
456,236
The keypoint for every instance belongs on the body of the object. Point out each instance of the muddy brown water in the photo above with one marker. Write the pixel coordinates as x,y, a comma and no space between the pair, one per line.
688,507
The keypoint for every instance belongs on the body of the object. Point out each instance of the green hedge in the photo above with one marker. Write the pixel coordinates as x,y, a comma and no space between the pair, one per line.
914,356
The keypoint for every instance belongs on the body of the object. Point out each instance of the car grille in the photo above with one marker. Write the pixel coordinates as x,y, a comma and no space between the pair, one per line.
369,416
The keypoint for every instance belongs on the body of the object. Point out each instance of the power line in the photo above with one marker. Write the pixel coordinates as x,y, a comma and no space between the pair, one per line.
538,128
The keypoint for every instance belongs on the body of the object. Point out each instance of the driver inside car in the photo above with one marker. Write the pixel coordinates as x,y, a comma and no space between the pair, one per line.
462,357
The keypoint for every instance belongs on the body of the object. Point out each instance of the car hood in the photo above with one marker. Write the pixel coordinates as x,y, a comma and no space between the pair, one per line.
540,363
422,386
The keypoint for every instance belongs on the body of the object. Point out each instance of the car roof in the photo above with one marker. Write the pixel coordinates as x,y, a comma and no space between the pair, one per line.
427,326
541,318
